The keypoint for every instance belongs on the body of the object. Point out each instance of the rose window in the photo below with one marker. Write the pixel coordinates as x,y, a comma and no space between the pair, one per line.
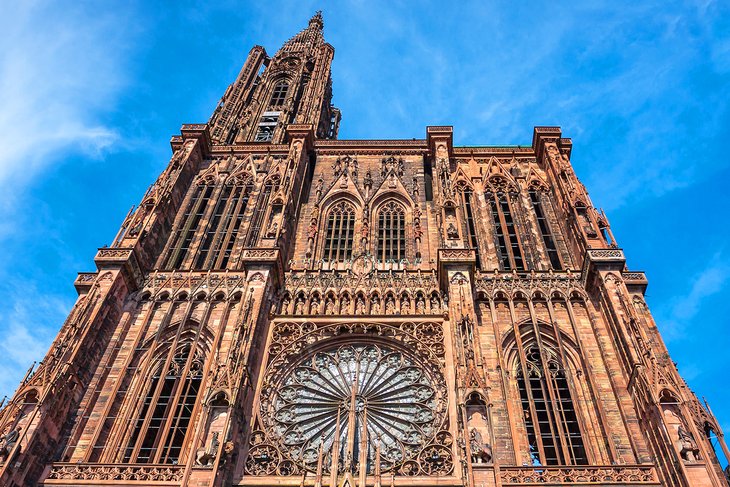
355,404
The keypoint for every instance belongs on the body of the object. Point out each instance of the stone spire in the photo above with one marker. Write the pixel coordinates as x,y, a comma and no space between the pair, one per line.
308,38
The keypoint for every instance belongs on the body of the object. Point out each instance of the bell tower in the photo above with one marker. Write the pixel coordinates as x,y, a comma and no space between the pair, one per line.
293,86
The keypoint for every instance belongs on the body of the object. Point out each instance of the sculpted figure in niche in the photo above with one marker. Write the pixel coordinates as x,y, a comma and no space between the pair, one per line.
337,167
480,452
360,306
405,306
314,308
299,306
271,232
205,457
368,181
329,306
375,305
451,230
420,306
345,304
688,447
435,304
7,443
389,305
285,305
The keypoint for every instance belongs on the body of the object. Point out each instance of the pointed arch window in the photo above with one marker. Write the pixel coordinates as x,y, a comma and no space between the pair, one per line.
184,235
224,225
467,197
536,198
507,242
551,421
167,408
271,186
339,233
391,233
278,96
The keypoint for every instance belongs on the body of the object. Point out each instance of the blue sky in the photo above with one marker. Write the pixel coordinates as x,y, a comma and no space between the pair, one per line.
89,97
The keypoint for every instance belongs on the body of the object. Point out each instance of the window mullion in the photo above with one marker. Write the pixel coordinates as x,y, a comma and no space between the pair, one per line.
227,229
340,225
153,405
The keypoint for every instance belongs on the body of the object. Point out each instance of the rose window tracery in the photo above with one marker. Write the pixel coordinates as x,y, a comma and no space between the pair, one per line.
356,403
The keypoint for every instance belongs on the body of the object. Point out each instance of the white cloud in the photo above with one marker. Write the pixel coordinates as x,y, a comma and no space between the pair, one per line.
28,327
59,74
675,318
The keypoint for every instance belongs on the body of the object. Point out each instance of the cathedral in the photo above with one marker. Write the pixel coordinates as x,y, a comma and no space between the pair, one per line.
285,308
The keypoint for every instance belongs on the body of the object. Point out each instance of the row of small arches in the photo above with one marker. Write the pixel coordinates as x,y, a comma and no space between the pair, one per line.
360,303
537,295
166,295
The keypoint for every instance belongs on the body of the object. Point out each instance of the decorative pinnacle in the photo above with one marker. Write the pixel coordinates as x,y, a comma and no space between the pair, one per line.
317,20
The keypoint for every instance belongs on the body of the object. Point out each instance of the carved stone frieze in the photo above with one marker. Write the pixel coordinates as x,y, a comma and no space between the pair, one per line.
85,473
579,475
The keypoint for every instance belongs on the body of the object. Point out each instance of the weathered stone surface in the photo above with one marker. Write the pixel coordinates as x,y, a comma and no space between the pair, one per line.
279,292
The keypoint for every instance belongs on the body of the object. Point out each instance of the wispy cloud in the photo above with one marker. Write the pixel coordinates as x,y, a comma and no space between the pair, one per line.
675,317
28,328
63,67
59,75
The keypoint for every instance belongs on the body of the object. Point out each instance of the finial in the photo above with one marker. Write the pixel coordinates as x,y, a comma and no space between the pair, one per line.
316,20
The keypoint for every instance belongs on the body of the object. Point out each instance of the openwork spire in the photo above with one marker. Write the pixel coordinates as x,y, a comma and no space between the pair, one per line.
306,39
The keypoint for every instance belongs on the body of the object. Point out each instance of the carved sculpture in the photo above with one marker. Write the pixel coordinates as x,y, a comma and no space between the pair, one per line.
7,443
206,457
329,306
480,452
389,305
375,305
299,306
360,306
688,448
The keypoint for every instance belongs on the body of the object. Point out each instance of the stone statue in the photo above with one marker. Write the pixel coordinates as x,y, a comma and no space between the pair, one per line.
435,304
271,232
375,305
480,452
688,447
205,458
405,306
314,307
329,306
299,306
389,305
345,304
7,443
451,231
420,306
360,306
285,305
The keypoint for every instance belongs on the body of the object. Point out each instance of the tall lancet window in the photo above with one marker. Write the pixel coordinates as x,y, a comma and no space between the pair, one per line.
278,96
551,422
271,186
166,408
184,235
536,197
339,234
467,197
507,241
224,225
391,233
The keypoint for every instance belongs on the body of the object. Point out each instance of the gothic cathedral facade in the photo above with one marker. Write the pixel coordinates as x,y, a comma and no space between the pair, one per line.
284,308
